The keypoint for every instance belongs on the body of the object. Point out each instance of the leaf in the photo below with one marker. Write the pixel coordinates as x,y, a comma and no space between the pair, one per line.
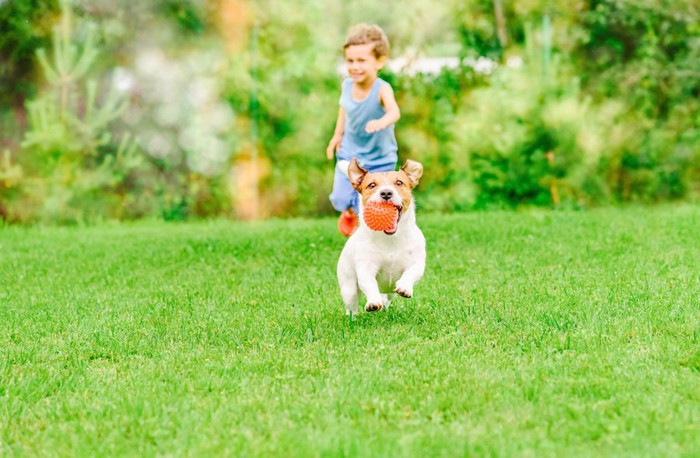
49,72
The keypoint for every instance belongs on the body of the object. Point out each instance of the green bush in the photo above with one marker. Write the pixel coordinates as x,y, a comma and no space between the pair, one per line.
591,103
71,167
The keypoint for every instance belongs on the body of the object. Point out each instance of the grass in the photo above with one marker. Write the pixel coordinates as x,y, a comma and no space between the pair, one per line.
532,333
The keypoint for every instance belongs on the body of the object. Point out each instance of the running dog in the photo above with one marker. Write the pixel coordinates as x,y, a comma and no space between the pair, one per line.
387,262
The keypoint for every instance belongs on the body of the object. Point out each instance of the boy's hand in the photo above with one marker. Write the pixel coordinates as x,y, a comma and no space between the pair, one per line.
374,126
333,146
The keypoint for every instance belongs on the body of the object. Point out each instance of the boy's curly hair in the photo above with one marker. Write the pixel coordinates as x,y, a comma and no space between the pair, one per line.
362,34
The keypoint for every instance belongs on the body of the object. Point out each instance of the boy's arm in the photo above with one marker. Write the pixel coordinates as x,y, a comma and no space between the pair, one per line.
393,114
334,144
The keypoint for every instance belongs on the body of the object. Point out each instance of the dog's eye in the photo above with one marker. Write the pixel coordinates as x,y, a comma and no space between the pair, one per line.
372,185
399,183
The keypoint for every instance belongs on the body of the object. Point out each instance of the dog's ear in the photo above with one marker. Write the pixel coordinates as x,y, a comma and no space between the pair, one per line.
356,174
414,170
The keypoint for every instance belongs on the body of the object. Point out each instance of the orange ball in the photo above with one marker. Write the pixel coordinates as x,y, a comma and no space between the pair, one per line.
381,216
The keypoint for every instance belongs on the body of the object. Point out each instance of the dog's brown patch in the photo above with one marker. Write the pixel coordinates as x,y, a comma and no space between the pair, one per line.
373,307
403,181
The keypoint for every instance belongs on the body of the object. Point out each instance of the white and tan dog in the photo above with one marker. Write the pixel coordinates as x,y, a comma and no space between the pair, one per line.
382,264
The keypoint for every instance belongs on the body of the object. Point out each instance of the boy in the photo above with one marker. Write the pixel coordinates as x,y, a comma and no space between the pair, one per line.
365,125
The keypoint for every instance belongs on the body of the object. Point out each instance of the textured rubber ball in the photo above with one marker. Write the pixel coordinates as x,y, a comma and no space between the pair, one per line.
381,216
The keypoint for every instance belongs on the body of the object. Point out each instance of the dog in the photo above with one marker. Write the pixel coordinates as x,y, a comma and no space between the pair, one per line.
382,264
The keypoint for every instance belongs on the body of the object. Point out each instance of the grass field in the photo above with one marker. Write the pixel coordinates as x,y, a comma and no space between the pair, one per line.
533,333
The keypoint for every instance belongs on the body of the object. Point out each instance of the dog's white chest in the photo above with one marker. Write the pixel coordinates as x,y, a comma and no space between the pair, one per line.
386,257
391,267
393,262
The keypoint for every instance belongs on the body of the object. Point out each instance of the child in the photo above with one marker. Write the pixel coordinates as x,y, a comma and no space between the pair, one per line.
365,126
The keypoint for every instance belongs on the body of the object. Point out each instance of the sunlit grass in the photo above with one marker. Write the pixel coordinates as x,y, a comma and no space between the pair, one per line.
541,333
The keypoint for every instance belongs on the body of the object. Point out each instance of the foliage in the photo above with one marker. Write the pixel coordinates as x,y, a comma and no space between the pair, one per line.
73,168
533,132
280,92
532,333
592,102
542,128
140,147
646,55
21,36
173,69
23,31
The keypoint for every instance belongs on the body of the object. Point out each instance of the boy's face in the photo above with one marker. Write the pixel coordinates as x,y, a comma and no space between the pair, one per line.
362,64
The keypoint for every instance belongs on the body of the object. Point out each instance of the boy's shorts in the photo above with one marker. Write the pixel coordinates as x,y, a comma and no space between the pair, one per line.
344,195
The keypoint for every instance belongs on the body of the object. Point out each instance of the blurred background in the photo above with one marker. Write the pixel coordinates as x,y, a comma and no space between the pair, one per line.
177,109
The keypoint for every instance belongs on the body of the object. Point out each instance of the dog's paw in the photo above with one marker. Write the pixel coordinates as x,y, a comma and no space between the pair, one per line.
373,306
404,291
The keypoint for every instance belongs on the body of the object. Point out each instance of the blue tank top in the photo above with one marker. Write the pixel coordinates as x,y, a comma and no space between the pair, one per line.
371,150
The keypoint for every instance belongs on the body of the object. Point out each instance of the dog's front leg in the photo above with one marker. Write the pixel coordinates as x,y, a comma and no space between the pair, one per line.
367,281
411,276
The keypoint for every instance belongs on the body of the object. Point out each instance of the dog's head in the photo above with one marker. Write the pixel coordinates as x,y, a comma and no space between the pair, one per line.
394,187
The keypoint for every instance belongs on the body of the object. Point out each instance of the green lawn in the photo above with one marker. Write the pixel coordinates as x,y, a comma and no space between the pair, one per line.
533,333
